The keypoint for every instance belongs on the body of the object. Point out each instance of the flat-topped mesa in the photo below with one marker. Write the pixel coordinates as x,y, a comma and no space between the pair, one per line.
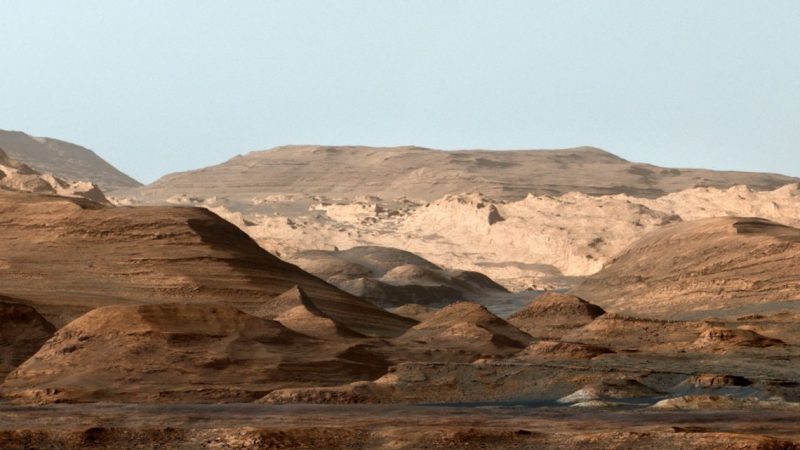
716,266
424,174
152,255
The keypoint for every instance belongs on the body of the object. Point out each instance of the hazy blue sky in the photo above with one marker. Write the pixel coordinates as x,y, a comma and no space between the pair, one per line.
160,86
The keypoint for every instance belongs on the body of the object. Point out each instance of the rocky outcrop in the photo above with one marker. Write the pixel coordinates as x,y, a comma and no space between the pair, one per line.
22,333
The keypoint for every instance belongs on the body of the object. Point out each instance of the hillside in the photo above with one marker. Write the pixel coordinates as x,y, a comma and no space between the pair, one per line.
65,160
723,265
426,174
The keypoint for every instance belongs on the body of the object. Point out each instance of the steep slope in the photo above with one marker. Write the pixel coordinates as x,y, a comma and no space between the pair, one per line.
426,174
181,352
66,256
22,333
710,266
65,160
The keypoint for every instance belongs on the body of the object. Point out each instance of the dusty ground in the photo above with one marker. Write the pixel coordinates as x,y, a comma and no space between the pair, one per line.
386,426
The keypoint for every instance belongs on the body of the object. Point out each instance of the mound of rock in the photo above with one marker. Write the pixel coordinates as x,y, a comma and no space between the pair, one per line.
22,332
466,325
624,388
723,402
558,350
624,332
181,353
552,315
726,339
710,266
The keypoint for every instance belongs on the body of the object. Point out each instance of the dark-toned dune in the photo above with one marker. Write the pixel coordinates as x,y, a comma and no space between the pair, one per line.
22,333
66,256
181,352
694,269
551,315
426,174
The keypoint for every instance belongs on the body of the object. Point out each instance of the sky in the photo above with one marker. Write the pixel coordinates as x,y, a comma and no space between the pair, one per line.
159,86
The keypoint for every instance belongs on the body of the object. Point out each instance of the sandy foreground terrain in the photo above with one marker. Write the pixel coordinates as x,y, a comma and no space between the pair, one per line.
388,427
166,326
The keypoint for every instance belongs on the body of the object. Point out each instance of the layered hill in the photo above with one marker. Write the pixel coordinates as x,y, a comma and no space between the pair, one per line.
65,256
65,160
181,352
427,174
723,265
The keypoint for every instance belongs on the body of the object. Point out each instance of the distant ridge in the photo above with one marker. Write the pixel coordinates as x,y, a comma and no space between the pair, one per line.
64,160
427,174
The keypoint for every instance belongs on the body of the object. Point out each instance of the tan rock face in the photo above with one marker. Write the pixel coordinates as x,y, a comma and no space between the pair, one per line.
181,352
727,265
67,256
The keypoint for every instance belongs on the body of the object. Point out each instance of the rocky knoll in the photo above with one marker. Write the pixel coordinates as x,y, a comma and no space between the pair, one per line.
552,315
65,256
181,352
64,160
720,265
426,174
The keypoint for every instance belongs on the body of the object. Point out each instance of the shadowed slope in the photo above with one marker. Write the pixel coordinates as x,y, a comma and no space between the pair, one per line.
22,333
